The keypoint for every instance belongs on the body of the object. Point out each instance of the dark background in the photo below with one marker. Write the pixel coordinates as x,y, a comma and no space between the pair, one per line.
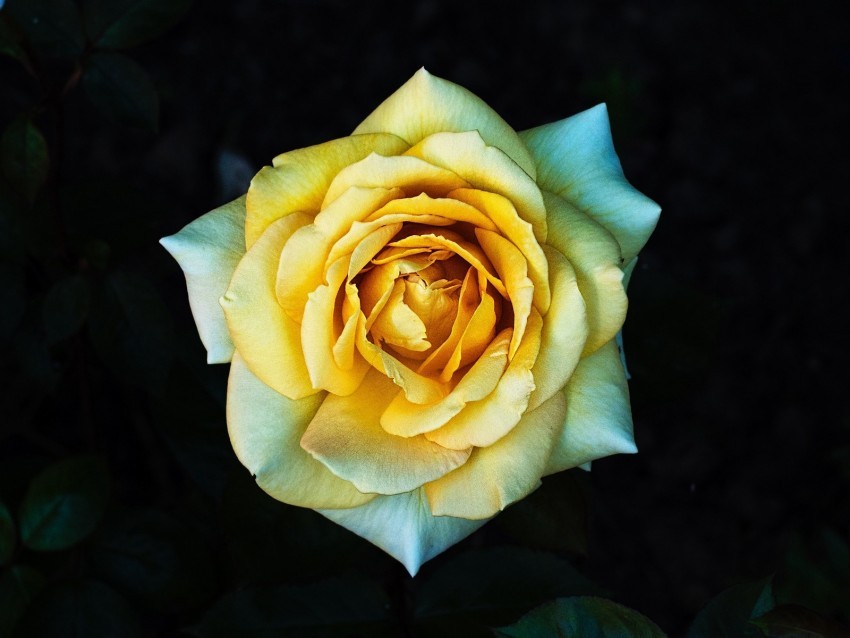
729,117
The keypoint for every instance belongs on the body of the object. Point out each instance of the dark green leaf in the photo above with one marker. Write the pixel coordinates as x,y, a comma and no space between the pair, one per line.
817,572
53,27
65,307
492,587
153,559
339,607
9,41
7,534
64,503
80,608
23,157
122,90
132,330
729,614
118,24
584,617
18,586
794,621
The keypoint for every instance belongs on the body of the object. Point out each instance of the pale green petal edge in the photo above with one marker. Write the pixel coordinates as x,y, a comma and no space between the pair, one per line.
208,251
575,158
402,525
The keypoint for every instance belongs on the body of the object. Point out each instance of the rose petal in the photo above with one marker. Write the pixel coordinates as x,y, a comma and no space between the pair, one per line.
453,209
598,419
208,251
426,104
484,422
265,430
299,179
486,168
595,256
346,435
501,474
575,158
266,337
403,526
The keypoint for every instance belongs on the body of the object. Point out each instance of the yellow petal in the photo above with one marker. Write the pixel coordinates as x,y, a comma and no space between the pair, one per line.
487,168
453,209
564,331
299,179
484,422
595,256
411,174
346,435
426,104
266,428
598,419
403,526
575,158
496,476
208,251
268,340
398,325
404,418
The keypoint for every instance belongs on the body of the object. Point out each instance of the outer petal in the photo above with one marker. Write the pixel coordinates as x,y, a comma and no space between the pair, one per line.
208,250
266,337
575,158
598,421
265,429
564,331
498,475
298,180
426,104
346,435
403,526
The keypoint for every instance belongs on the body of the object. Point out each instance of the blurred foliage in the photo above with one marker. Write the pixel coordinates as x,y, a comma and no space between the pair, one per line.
123,511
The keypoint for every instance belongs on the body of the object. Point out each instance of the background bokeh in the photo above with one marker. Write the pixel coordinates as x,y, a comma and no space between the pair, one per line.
729,116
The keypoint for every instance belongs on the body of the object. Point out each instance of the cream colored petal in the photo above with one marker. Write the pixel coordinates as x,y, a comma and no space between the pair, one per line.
564,331
322,334
503,215
426,104
411,174
346,435
496,476
266,428
485,422
268,340
299,179
403,526
595,256
487,168
208,251
598,419
403,418
302,260
575,158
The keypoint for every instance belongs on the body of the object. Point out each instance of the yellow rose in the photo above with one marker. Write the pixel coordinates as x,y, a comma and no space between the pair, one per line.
421,317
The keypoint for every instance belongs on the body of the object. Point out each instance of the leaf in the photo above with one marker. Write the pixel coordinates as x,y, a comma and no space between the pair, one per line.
794,621
7,534
119,24
18,586
64,503
65,307
817,572
132,330
15,304
9,41
52,26
493,586
338,607
583,616
729,614
81,608
23,157
154,559
121,90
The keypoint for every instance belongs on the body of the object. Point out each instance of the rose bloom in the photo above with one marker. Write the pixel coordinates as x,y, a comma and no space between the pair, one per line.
421,318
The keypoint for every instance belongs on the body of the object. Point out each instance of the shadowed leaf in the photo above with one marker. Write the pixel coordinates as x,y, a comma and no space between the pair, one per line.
52,26
122,90
65,307
23,157
729,614
118,24
18,586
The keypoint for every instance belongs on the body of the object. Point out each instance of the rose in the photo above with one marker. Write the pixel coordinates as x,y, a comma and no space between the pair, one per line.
421,317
